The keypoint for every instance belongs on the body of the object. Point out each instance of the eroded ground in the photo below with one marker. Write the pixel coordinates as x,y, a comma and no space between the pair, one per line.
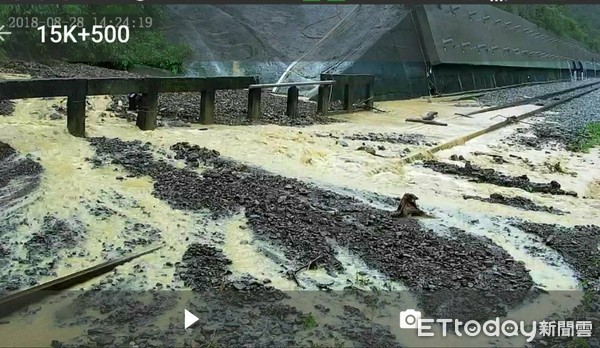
240,210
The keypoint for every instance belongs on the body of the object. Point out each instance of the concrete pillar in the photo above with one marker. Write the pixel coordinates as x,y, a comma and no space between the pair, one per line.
292,102
148,108
254,103
207,107
323,99
76,109
369,95
348,98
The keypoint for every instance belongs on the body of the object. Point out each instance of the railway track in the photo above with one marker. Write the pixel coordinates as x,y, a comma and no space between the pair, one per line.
529,101
508,121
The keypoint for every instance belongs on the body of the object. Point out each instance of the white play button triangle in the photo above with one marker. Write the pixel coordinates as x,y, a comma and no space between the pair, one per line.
189,318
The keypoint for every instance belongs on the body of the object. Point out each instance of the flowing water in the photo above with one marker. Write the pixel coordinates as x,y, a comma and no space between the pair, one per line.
69,184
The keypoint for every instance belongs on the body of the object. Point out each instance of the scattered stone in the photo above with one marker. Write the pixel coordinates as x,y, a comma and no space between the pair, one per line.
392,138
7,107
490,176
517,202
430,115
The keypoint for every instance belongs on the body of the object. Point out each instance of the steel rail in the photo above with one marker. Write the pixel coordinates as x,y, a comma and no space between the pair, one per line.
528,101
510,120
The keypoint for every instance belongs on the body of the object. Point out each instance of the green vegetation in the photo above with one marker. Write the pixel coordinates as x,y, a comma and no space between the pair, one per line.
578,342
561,20
147,46
362,279
588,139
310,322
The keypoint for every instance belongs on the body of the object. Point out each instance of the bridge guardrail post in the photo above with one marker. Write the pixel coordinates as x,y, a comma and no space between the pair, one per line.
76,104
148,111
207,106
348,97
370,94
292,102
323,99
254,95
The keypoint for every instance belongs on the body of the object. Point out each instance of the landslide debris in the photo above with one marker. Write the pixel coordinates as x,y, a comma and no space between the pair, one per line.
306,222
517,202
7,107
578,245
490,176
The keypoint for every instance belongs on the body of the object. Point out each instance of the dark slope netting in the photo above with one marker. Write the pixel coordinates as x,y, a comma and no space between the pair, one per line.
347,42
249,40
252,39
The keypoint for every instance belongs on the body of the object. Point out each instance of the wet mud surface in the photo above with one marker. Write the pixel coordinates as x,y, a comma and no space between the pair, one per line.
517,202
578,245
392,138
233,312
307,222
490,176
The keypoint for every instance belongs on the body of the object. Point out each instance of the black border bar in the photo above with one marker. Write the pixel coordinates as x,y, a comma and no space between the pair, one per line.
294,2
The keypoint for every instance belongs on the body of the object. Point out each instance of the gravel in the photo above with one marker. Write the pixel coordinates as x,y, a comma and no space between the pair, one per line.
517,202
567,122
392,138
509,95
60,70
490,176
7,107
562,126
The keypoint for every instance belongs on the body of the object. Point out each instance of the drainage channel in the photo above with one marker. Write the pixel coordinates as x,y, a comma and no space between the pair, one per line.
511,120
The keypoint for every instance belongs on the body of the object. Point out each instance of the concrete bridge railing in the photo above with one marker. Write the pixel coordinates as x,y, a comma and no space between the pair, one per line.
76,90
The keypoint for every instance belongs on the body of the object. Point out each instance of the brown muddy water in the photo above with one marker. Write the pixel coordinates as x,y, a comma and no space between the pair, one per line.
71,187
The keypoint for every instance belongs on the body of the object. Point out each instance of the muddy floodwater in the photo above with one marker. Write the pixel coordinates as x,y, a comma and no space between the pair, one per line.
237,224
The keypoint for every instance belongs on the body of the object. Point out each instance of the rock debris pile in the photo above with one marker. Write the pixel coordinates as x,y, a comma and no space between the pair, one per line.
392,138
7,107
490,176
18,176
578,245
230,109
517,202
